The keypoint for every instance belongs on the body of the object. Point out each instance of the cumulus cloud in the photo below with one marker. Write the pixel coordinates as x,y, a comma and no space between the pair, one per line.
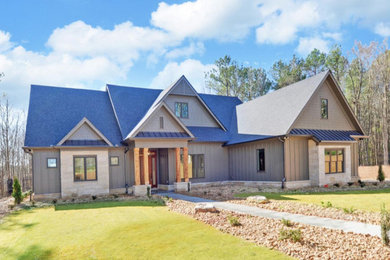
224,20
383,29
187,51
192,69
306,45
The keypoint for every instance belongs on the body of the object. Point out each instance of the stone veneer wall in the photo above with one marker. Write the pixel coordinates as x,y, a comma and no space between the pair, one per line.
70,188
317,165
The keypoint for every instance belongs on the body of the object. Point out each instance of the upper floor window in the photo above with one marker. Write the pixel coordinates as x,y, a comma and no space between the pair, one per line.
161,122
324,108
181,109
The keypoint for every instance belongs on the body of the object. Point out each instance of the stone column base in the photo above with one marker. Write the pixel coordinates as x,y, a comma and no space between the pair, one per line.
182,186
142,190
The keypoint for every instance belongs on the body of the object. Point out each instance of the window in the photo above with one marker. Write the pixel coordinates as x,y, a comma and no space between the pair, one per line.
324,108
84,168
181,109
161,122
51,162
195,166
260,160
114,160
334,160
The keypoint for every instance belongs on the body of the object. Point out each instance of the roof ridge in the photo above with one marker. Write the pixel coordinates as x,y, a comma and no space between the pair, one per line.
67,88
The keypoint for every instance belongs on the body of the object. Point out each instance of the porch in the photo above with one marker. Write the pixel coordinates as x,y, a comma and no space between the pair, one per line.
160,168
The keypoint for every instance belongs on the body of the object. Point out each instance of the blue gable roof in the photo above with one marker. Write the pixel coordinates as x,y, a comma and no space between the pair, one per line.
54,111
327,135
131,104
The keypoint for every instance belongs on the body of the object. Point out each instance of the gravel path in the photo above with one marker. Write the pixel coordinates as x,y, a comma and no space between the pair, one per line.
346,226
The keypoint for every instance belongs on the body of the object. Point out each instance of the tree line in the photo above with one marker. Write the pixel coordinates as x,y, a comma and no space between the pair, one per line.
13,161
363,75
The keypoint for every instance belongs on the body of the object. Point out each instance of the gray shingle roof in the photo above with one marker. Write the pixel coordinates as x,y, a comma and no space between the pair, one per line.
274,113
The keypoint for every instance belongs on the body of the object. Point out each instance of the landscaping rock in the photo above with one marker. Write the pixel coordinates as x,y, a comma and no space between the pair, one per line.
258,198
205,207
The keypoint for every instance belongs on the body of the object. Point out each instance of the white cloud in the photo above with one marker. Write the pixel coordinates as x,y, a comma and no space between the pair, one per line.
5,43
187,51
383,29
336,36
285,19
193,70
224,20
306,45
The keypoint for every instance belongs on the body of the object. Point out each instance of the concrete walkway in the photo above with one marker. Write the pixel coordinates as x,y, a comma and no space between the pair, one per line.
346,226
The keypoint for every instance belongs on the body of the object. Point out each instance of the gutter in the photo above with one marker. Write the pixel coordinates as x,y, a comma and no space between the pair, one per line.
283,139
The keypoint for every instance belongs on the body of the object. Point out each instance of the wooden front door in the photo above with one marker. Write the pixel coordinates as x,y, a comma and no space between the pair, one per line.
153,168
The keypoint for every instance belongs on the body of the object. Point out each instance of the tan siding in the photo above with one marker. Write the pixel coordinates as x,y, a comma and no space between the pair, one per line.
84,133
46,180
216,161
197,113
243,161
310,117
153,123
296,159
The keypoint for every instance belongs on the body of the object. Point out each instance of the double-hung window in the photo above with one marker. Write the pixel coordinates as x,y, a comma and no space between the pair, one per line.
85,168
181,109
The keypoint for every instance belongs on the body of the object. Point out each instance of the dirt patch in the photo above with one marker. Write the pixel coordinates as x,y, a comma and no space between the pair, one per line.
316,242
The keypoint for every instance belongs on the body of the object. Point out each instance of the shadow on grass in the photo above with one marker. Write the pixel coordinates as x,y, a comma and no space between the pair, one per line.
110,204
284,195
32,252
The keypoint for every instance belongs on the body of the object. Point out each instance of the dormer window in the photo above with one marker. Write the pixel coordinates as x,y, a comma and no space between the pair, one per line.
181,109
324,108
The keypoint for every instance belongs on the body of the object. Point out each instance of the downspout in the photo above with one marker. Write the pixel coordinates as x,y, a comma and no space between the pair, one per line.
283,139
29,151
124,170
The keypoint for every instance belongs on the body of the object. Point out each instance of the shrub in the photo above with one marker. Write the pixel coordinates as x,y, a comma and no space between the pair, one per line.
293,234
350,183
94,197
17,191
234,221
287,222
336,185
328,204
116,196
385,225
362,184
350,210
381,174
54,201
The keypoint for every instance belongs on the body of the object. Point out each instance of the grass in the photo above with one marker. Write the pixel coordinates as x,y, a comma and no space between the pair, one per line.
118,230
369,200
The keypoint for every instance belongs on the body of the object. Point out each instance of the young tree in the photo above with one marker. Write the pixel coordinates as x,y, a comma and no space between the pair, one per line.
17,191
381,175
314,63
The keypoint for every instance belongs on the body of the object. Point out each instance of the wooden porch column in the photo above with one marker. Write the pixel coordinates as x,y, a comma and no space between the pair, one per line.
146,165
137,172
178,177
185,164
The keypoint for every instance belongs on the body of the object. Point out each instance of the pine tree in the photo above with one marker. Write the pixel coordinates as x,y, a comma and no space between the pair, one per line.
381,175
17,191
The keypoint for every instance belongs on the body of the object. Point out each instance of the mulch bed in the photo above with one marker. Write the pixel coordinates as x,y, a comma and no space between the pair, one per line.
316,242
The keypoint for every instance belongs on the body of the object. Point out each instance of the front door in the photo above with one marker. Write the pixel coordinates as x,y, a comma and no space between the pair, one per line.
153,168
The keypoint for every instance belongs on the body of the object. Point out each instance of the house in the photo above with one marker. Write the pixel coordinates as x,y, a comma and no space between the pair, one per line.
87,142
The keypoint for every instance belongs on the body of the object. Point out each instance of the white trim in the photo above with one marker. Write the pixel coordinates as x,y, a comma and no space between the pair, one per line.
79,124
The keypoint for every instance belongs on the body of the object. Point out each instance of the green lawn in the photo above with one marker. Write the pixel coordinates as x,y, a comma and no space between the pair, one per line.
369,200
118,230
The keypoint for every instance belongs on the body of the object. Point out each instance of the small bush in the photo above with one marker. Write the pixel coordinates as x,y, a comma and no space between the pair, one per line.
385,225
350,210
328,204
362,184
287,222
381,174
293,234
234,221
116,196
94,197
17,191
54,201
350,183
33,203
336,185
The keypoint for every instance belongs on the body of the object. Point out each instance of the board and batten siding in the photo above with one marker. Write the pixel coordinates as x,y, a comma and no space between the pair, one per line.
296,159
46,180
216,159
243,161
118,176
197,113
310,117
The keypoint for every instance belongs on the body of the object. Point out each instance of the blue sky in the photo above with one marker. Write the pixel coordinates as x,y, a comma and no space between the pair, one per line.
86,44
